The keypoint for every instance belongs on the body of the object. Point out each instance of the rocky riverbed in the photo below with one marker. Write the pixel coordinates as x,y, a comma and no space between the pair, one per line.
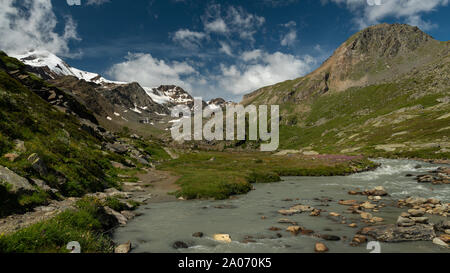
306,214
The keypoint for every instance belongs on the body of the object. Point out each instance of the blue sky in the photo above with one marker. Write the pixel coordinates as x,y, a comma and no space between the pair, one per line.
211,48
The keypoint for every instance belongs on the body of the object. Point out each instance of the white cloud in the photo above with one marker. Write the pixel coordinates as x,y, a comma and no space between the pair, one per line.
265,69
225,48
251,55
290,38
217,25
151,72
97,2
188,39
410,11
231,20
31,24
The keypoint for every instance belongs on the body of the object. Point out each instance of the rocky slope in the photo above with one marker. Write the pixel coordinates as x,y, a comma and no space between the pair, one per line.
115,104
52,146
383,91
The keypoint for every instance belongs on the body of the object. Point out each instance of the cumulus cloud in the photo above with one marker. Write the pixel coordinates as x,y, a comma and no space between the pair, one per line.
150,72
217,25
410,11
261,68
30,24
188,39
231,20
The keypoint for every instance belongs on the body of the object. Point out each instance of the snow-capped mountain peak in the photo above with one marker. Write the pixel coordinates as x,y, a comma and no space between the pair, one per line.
53,66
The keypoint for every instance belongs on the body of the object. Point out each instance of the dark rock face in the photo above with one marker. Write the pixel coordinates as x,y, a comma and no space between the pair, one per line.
388,40
177,94
392,233
130,96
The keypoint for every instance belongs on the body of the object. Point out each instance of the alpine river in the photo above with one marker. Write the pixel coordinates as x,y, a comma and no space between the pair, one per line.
251,215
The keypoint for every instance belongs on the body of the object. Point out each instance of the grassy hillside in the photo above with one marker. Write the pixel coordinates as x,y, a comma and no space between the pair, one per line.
73,159
384,92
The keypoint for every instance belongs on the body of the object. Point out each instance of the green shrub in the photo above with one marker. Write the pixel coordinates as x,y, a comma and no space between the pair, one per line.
263,177
115,204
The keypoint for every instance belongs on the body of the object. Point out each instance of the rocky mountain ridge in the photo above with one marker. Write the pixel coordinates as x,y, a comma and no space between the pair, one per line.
384,90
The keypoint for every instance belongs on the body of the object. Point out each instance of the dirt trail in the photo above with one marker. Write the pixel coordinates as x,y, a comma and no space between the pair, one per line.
16,222
153,186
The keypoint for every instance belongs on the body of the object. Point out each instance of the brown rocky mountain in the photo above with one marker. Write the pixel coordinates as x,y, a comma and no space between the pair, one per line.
386,89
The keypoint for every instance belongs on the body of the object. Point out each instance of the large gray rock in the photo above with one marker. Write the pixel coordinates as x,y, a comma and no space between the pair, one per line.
38,164
117,148
120,218
13,182
393,233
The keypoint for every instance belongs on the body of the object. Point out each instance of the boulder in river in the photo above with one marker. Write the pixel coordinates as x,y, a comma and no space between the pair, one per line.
123,248
439,242
179,244
225,238
393,233
327,237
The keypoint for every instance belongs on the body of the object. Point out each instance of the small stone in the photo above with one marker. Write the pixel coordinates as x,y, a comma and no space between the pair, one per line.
353,225
405,214
348,202
376,219
445,238
366,215
368,205
320,248
198,234
307,232
287,221
274,229
179,244
294,229
315,212
123,248
11,157
334,214
330,237
359,239
405,222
